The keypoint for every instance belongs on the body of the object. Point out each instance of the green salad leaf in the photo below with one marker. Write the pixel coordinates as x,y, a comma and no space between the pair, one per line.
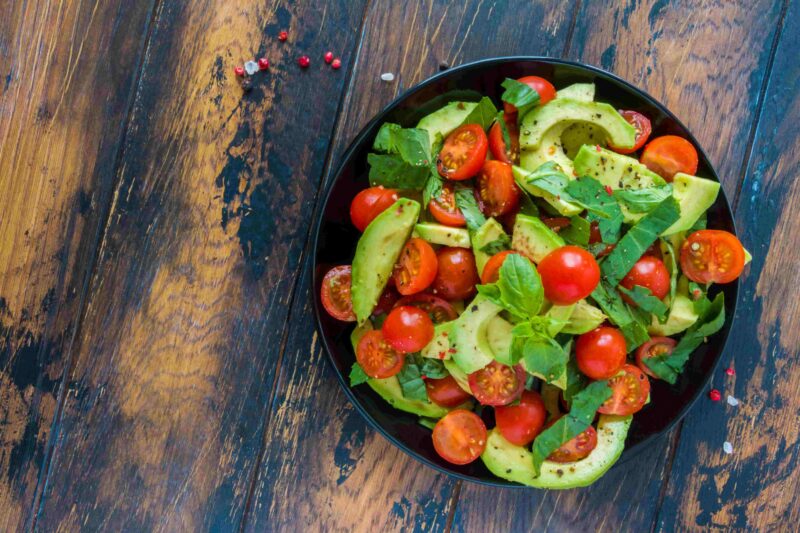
645,300
550,178
699,224
519,288
432,189
643,200
483,114
465,200
357,375
578,232
411,375
576,380
633,329
671,262
392,172
543,356
500,244
427,422
601,205
520,96
405,161
383,140
501,120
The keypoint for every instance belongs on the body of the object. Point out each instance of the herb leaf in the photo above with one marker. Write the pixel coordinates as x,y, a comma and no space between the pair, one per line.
611,303
406,161
501,120
519,288
602,206
550,178
520,96
543,356
576,380
432,189
500,244
483,114
357,375
645,300
383,140
465,200
410,376
577,232
699,224
392,172
643,200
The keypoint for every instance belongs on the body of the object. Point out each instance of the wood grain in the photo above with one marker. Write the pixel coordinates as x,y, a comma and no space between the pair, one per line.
176,356
352,478
755,488
68,76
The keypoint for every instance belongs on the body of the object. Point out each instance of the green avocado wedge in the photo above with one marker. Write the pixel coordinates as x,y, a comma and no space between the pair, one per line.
515,463
377,252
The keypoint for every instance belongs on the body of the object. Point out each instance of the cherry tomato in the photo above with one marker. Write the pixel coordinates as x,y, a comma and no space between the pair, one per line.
568,274
600,353
648,272
670,154
416,268
712,256
491,270
654,347
463,153
556,223
387,300
545,89
595,237
520,424
437,308
629,392
446,392
497,144
457,275
643,130
376,357
444,208
497,384
575,449
370,203
407,329
335,293
496,190
459,437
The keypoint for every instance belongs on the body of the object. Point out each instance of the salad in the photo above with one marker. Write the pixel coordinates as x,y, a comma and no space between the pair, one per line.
524,273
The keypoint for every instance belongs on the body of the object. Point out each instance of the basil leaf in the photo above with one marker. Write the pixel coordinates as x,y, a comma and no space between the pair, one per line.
638,239
501,120
643,200
500,244
635,334
645,300
576,380
392,172
483,114
577,232
545,357
520,96
602,206
413,145
609,300
520,287
669,366
699,224
432,189
582,411
411,382
550,178
432,368
465,200
357,375
406,162
383,140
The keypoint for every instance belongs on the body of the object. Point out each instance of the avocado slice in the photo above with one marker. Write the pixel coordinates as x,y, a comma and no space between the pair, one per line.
377,252
441,122
439,347
533,238
583,92
441,234
490,231
585,317
459,375
498,334
472,349
515,463
695,195
389,389
681,313
615,170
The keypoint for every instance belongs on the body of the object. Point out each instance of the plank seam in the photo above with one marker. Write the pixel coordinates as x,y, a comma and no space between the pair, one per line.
451,513
571,29
662,493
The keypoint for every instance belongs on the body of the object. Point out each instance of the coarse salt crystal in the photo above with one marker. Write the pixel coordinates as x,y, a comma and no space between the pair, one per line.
727,447
251,67
732,401
387,76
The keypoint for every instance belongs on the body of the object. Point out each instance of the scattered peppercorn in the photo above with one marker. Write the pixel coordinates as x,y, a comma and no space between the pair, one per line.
282,36
263,63
336,64
730,371
715,395
328,57
304,61
238,70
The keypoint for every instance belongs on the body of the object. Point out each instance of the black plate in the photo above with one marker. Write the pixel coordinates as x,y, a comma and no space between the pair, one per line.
335,243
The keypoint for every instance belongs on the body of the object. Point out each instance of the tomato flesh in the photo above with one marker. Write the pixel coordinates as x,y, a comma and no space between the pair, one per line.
712,256
459,437
600,353
463,153
545,89
444,208
643,130
496,191
377,358
446,392
370,203
497,384
416,268
457,274
576,448
335,293
569,274
670,154
520,424
497,143
654,347
648,272
629,392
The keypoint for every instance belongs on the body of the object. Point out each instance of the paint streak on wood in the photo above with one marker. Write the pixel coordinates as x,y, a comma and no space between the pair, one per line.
68,74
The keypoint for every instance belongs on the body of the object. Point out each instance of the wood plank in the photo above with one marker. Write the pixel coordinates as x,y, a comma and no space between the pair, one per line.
755,488
323,468
68,75
698,82
176,356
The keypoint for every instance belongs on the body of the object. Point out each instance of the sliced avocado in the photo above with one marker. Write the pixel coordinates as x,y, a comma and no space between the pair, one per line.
441,122
498,334
377,252
461,378
472,350
585,317
533,238
578,135
695,195
390,390
681,313
615,170
441,234
583,92
515,463
490,231
560,206
439,347
562,314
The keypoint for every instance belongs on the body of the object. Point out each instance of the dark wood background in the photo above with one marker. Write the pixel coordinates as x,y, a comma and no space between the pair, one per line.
159,367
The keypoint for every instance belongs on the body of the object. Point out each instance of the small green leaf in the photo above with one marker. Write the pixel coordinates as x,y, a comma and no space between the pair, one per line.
643,200
357,375
483,114
465,200
645,300
500,244
520,95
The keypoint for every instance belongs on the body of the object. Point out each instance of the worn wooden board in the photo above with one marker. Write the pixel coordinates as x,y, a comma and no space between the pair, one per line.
176,357
755,488
68,73
350,476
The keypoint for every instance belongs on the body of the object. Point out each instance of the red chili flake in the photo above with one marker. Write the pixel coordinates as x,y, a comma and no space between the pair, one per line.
424,377
282,36
608,190
442,355
336,63
597,147
304,61
452,350
730,371
239,70
444,334
715,395
328,57
263,63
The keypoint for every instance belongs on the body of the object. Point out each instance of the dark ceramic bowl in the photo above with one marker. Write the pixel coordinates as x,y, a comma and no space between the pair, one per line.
335,243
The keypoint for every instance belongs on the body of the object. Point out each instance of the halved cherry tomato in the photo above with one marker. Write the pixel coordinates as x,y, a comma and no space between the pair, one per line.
712,256
670,154
569,274
459,437
370,203
444,208
643,130
407,329
648,272
545,89
491,270
335,293
497,384
556,223
457,274
520,424
387,300
654,347
437,308
600,353
446,392
595,237
463,153
376,357
416,268
575,449
629,392
496,190
497,143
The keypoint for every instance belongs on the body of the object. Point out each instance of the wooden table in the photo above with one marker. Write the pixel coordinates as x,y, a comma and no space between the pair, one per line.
159,366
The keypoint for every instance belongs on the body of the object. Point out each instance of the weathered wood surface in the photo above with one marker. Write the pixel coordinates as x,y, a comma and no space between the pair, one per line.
199,397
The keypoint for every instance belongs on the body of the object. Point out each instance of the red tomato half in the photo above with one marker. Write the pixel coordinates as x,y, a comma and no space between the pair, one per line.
370,203
437,308
446,392
497,143
407,329
335,293
670,154
416,268
569,274
545,89
629,392
463,153
648,272
600,353
643,130
444,208
497,384
457,275
520,424
496,190
712,256
654,347
376,357
576,448
459,437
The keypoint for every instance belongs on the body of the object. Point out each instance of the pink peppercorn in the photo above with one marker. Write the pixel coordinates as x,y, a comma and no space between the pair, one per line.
282,36
336,64
328,57
715,395
263,63
238,70
304,61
